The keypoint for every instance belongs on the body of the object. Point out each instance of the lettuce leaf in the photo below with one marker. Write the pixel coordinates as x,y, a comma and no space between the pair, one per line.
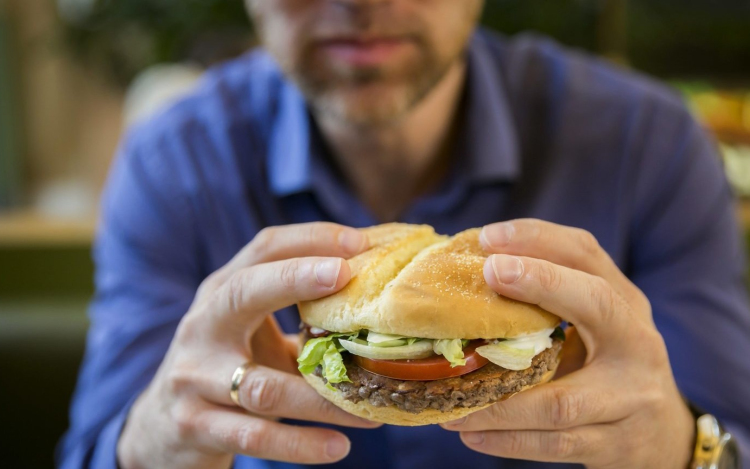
451,349
324,351
334,370
312,354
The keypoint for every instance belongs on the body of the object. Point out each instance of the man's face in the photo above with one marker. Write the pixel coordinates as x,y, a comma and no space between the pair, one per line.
366,62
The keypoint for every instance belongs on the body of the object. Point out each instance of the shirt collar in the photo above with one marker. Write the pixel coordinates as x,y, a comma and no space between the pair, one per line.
488,137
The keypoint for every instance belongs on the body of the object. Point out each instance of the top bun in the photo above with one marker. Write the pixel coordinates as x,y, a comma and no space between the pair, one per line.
416,283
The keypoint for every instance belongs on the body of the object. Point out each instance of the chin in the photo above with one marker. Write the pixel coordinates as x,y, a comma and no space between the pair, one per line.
371,105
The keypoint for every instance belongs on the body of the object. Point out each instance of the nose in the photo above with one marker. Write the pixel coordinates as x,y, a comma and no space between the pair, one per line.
361,12
358,3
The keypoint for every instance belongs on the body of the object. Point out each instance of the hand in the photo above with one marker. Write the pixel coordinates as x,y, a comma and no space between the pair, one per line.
622,409
185,418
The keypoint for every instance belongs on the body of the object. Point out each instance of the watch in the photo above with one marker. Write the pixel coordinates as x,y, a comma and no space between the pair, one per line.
715,448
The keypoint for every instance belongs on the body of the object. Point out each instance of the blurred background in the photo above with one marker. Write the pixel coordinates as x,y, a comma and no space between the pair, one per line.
74,73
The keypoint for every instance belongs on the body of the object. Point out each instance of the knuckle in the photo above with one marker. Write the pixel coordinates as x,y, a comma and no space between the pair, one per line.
498,413
534,229
264,236
250,438
317,232
293,447
288,273
653,400
588,243
516,442
657,356
562,444
549,278
603,298
262,242
566,408
210,283
235,293
178,381
324,409
189,329
263,393
184,417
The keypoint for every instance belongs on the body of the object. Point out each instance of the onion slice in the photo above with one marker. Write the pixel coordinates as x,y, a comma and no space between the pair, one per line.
420,349
507,356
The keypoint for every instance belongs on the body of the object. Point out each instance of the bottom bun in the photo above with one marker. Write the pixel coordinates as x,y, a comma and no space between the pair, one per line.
392,415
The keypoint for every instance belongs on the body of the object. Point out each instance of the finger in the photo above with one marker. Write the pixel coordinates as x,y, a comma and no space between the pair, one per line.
273,393
270,347
587,445
575,401
234,432
302,240
573,354
242,303
602,317
567,246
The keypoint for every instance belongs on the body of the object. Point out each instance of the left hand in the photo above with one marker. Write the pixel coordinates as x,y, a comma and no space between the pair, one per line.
622,408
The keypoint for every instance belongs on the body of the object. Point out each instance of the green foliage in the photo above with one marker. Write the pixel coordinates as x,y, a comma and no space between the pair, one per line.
694,39
572,22
125,36
664,37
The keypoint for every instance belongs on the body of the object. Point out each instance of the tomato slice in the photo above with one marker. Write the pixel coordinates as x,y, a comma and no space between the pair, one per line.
425,369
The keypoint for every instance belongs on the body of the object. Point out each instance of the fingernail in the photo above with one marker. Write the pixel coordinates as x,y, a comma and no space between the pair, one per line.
337,448
473,438
498,235
370,423
327,272
457,423
352,241
508,269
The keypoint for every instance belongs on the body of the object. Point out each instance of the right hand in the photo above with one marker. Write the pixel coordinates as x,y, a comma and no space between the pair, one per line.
185,417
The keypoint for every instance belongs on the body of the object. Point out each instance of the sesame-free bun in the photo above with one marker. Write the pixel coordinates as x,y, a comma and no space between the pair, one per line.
416,283
392,415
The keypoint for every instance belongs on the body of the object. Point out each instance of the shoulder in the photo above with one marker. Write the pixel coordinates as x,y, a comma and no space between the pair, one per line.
241,92
222,124
590,110
539,66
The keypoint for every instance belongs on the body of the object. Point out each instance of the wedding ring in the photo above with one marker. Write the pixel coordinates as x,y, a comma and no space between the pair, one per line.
237,377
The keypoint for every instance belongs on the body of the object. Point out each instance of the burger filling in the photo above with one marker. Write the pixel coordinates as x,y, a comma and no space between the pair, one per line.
486,385
416,373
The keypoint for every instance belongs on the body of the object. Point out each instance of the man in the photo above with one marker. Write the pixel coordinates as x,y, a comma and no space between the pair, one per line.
380,110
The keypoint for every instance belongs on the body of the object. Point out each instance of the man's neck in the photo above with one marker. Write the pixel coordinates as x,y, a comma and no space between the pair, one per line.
391,165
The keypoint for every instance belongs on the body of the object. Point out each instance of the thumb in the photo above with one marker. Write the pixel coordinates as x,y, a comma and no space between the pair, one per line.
270,347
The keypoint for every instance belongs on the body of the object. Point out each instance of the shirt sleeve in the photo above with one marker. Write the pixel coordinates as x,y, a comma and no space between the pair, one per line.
146,277
688,256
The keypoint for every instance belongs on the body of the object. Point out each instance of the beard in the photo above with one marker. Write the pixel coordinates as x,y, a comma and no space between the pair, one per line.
367,96
377,93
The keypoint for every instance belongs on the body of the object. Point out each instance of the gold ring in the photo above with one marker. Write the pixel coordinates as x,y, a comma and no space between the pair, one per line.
237,377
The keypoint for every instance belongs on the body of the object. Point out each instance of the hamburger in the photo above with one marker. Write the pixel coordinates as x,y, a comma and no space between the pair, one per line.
417,337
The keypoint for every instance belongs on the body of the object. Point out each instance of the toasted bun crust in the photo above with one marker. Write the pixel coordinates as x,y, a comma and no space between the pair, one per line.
417,283
395,416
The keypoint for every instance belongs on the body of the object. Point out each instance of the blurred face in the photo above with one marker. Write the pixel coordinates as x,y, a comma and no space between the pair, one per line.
367,62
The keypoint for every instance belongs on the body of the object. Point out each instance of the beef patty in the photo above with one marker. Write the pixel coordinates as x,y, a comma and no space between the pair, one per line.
478,388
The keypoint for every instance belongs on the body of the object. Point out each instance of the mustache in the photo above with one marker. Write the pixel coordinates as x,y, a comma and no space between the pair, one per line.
364,23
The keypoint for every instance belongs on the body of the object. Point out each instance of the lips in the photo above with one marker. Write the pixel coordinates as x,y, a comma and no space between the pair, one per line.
360,52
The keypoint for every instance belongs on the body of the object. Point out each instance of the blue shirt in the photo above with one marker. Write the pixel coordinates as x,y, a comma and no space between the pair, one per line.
545,133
